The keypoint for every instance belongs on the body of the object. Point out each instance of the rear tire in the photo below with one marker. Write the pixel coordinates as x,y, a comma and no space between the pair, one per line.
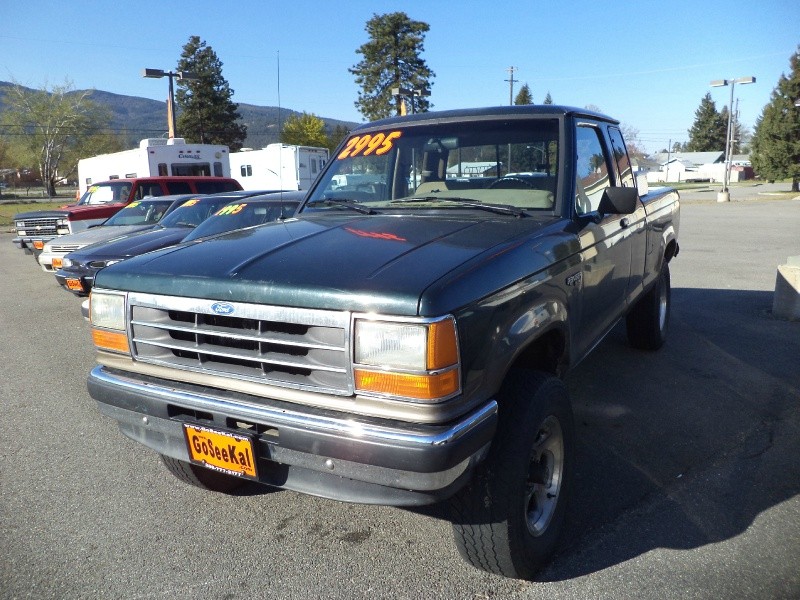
201,477
648,320
509,518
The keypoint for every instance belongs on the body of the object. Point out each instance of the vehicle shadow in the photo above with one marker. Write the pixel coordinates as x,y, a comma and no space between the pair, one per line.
686,446
681,447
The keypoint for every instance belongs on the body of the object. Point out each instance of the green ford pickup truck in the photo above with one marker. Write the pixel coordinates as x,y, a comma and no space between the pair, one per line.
403,338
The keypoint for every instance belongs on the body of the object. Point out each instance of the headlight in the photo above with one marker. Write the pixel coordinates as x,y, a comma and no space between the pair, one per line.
62,226
394,345
409,360
66,262
100,264
107,312
20,227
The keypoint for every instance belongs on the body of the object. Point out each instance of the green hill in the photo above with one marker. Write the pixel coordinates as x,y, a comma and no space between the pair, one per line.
138,118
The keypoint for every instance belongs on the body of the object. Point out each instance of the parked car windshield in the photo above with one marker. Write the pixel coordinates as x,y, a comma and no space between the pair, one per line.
140,212
512,163
113,191
240,214
194,211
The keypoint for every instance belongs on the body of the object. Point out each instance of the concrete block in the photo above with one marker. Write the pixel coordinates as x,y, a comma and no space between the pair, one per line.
786,302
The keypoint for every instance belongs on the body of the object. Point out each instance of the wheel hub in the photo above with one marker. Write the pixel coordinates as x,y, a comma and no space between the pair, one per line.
544,476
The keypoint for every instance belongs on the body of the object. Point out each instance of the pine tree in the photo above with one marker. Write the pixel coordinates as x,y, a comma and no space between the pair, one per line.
524,96
391,60
548,99
776,141
710,128
207,113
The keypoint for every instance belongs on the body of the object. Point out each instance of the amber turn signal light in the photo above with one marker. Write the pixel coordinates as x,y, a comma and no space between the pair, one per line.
116,341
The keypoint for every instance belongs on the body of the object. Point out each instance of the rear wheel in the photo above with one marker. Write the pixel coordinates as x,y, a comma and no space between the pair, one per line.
648,319
509,518
201,477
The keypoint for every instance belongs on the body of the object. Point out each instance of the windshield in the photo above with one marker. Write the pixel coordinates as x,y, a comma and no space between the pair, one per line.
141,212
510,163
194,211
240,214
115,191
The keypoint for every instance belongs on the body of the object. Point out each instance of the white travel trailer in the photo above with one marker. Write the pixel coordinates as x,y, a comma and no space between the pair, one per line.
156,157
278,167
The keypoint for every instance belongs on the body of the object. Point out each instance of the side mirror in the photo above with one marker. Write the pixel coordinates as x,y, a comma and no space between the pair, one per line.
619,200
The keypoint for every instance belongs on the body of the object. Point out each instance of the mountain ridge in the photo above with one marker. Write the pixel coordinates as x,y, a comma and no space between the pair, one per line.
138,118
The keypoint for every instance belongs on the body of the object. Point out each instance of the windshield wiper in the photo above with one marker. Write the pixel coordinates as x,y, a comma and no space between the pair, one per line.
344,203
495,208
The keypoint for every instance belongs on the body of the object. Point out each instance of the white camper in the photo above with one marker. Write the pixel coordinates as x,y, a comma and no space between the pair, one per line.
156,157
278,167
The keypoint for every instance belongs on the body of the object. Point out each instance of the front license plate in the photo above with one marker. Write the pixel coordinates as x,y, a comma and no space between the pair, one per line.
226,452
75,284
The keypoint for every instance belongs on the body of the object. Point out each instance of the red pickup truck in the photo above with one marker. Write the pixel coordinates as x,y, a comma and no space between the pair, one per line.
103,200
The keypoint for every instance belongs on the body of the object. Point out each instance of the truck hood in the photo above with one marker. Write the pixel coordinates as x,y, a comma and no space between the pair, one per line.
98,234
133,244
378,263
74,212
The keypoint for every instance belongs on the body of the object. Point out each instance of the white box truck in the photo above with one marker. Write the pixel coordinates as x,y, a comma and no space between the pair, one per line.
278,167
156,157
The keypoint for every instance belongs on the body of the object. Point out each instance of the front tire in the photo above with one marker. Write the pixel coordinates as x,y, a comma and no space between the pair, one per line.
648,320
201,477
509,518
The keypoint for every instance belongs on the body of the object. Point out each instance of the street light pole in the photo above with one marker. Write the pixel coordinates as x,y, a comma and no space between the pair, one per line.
724,195
406,92
158,74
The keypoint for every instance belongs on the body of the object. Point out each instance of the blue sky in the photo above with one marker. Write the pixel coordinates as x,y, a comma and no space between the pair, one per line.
646,63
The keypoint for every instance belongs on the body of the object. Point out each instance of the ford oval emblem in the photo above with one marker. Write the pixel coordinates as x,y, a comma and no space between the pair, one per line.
222,308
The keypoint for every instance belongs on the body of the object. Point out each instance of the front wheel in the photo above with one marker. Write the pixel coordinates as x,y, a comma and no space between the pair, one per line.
508,519
201,477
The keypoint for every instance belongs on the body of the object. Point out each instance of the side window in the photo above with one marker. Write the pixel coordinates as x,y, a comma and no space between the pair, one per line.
217,169
624,170
591,177
178,187
246,170
162,169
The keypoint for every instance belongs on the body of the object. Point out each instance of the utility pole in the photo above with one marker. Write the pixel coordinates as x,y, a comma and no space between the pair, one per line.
510,81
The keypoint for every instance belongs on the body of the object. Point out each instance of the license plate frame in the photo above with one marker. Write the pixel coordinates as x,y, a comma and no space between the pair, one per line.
74,284
222,451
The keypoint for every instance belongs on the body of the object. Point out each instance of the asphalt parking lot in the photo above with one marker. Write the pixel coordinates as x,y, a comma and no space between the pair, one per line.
688,483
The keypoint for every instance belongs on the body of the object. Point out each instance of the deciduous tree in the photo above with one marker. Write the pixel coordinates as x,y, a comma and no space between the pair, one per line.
776,141
391,59
52,128
305,130
207,114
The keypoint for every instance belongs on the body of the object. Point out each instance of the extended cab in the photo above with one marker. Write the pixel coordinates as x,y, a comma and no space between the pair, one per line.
103,200
402,340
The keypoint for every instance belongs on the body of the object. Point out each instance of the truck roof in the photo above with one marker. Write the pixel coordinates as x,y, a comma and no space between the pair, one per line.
466,114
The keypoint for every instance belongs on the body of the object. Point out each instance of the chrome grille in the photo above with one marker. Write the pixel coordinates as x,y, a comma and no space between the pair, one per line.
299,348
38,226
65,247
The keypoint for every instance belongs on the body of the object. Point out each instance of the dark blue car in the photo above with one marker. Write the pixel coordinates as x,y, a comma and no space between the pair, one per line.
79,268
